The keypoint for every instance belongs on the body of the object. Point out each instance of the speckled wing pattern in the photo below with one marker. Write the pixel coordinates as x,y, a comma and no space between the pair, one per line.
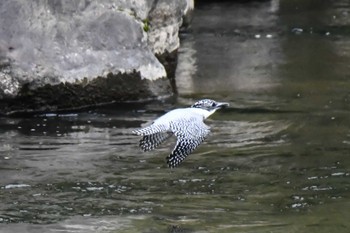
190,134
152,129
153,136
152,141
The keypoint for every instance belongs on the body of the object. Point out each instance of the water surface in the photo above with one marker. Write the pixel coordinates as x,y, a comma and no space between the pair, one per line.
276,161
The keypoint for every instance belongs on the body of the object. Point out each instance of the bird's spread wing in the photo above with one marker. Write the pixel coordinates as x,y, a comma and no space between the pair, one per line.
150,142
190,134
153,136
152,129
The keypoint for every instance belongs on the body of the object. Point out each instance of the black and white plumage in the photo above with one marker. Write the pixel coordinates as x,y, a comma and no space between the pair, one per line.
186,124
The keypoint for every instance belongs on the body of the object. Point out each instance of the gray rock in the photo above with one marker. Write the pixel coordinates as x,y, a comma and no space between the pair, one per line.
74,42
165,19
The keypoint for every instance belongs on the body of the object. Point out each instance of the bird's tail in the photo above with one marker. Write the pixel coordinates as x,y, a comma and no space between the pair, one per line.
152,136
152,141
138,132
152,129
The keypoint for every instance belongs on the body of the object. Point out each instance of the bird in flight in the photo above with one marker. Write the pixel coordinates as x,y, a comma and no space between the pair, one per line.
186,124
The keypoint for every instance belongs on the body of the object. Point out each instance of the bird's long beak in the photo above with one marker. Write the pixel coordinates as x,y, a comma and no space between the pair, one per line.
222,104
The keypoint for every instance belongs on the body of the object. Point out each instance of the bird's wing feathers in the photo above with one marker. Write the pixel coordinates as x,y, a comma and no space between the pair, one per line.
150,142
190,134
153,136
152,129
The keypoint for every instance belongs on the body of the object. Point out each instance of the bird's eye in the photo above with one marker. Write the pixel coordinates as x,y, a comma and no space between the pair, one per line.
213,104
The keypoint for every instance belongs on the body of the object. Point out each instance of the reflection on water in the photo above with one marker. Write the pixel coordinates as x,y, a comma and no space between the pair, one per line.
276,161
232,47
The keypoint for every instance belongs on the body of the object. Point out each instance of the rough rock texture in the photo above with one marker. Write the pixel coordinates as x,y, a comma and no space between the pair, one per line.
60,45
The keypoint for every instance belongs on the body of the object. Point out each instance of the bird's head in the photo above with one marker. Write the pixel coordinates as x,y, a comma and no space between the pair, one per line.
209,105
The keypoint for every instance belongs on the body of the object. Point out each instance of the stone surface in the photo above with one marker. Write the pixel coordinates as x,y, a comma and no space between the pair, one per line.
56,42
165,20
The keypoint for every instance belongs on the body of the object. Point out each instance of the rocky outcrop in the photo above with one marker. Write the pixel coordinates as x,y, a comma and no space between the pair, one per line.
97,51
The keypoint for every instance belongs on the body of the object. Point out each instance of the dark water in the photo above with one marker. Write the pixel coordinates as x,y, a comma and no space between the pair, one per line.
276,161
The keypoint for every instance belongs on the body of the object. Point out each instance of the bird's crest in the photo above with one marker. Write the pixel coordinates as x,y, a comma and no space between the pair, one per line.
205,104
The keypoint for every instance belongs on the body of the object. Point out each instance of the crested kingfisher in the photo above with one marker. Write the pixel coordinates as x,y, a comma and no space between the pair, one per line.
186,124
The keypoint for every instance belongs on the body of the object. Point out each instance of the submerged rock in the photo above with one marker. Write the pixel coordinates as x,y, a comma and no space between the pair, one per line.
101,51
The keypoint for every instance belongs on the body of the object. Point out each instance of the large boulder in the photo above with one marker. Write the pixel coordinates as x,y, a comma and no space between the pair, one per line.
84,52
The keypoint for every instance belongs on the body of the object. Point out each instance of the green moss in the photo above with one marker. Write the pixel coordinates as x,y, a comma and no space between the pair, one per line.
146,25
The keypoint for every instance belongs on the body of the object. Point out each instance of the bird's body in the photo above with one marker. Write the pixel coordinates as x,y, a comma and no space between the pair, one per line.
185,123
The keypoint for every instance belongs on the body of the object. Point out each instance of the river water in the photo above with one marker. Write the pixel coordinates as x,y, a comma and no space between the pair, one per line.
277,160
